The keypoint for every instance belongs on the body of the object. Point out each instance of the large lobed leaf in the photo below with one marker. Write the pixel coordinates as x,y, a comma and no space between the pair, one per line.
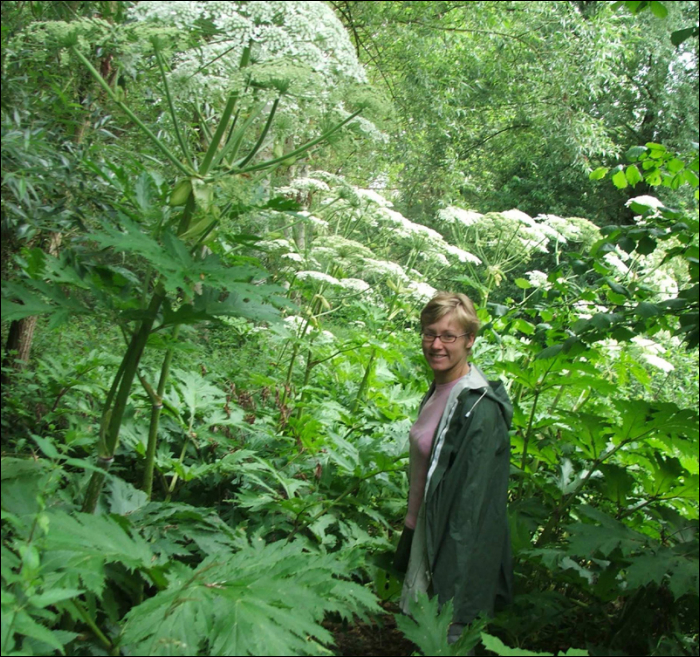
262,600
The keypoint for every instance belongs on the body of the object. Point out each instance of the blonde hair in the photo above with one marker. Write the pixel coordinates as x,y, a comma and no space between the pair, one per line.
457,304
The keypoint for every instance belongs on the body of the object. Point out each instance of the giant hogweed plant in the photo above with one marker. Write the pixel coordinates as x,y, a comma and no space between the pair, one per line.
182,281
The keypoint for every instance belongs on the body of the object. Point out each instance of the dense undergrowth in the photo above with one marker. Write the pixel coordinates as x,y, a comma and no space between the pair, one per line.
207,453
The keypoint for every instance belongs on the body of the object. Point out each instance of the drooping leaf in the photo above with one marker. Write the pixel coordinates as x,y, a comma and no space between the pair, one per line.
264,599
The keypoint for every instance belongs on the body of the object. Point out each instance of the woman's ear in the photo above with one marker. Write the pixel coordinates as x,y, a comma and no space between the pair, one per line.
470,340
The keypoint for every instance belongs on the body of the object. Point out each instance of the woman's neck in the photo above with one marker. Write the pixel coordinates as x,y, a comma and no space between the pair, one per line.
452,375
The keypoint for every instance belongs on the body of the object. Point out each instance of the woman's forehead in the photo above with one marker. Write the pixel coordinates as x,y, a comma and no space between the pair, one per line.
446,324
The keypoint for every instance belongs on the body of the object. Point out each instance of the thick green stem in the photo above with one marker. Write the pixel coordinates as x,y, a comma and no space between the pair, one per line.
365,380
157,142
171,106
296,152
156,408
233,143
263,134
218,135
91,624
526,440
108,446
181,460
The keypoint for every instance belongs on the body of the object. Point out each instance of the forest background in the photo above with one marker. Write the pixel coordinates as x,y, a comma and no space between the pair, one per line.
219,222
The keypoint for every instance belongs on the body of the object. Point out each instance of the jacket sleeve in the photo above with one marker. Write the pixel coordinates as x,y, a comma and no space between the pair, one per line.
469,543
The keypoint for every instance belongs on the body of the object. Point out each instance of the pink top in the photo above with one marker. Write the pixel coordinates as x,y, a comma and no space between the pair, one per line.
420,439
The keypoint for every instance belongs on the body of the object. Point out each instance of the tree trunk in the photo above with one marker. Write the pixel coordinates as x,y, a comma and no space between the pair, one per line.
21,334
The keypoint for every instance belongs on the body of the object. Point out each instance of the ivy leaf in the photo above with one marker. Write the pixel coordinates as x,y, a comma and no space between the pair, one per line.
550,352
635,153
646,310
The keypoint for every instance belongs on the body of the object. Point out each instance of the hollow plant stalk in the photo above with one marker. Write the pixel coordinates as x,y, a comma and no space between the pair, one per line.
156,408
109,434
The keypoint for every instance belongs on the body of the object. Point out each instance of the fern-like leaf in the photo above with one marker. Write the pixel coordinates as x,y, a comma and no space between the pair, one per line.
262,600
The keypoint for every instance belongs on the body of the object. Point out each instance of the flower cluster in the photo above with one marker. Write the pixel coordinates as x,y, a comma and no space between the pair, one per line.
305,35
455,215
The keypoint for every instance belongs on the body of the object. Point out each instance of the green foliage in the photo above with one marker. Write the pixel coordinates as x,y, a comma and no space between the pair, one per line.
428,625
254,477
62,560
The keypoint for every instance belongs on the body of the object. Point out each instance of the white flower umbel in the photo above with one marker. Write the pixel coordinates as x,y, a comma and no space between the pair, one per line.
318,276
319,224
646,201
421,292
461,254
275,246
295,257
659,363
302,34
307,185
372,196
616,262
538,278
571,229
355,284
453,214
384,269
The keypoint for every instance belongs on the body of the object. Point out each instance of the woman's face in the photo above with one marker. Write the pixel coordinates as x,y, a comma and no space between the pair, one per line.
447,360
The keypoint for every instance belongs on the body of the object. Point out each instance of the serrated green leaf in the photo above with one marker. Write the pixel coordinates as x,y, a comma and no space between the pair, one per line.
606,535
598,174
522,283
427,625
31,305
124,498
99,538
265,599
26,625
53,596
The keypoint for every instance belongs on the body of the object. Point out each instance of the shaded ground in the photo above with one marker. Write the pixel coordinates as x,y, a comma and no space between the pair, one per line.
379,638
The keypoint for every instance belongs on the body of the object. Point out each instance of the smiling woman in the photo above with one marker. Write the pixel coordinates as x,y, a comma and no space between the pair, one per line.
456,543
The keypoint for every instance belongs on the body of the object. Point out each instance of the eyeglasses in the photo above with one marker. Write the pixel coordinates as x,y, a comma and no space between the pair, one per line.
445,339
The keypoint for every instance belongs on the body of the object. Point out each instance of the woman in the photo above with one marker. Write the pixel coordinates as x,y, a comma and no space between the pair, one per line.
456,542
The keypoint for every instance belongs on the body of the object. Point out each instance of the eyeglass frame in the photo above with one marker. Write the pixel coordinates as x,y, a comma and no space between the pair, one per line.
430,338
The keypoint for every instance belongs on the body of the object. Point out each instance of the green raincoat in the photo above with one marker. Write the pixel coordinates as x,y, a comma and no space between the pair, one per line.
467,540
